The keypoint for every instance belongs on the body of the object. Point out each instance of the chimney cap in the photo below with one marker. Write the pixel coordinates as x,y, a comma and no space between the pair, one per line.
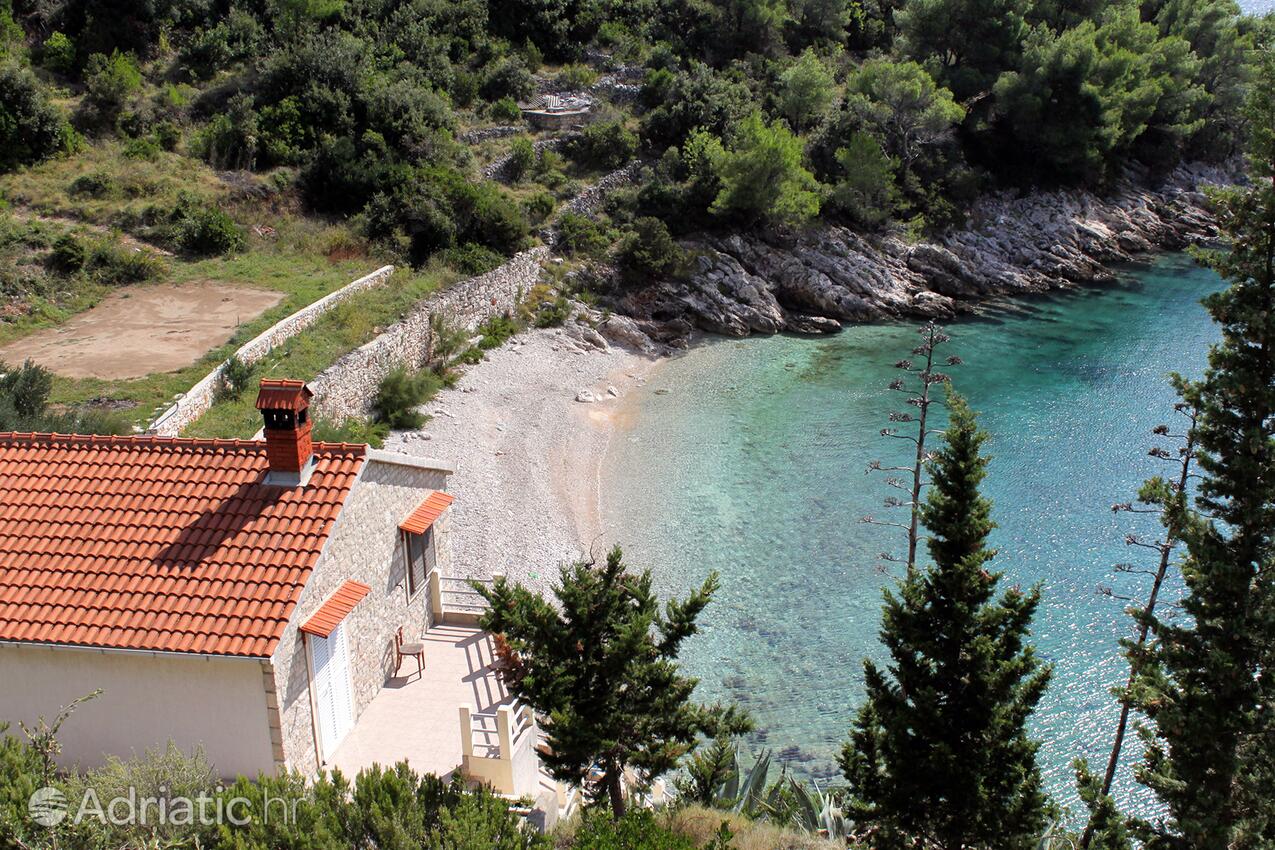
283,395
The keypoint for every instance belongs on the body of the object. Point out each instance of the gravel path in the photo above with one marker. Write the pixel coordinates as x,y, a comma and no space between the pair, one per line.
527,453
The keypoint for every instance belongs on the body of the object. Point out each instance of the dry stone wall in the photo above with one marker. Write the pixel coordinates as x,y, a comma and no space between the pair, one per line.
195,403
346,388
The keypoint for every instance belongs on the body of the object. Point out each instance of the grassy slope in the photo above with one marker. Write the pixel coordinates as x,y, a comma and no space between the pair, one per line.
303,258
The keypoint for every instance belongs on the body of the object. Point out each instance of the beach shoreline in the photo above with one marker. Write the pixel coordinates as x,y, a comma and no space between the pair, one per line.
528,430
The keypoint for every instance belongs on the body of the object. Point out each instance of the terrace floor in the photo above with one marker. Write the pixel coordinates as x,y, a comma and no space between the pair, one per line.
417,718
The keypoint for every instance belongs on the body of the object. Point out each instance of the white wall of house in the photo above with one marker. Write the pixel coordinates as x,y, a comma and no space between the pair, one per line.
364,546
146,701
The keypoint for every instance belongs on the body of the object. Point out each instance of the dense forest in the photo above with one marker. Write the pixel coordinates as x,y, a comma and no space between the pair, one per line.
748,112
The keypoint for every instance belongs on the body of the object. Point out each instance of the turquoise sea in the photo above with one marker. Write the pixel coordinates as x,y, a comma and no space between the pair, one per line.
749,457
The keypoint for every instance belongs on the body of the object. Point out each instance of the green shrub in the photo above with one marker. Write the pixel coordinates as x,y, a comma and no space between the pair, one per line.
166,773
204,230
464,88
506,109
648,250
352,431
539,206
400,393
577,76
31,128
579,234
236,379
522,158
69,255
544,308
471,259
26,388
507,78
167,135
144,147
496,331
58,53
116,265
607,144
110,82
637,830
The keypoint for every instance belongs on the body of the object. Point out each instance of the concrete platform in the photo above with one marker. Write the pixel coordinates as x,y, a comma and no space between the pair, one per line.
417,718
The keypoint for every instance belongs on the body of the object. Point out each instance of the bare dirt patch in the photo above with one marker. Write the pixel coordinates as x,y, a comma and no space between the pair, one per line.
142,330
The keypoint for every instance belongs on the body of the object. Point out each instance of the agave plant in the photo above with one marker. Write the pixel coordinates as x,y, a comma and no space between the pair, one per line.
714,777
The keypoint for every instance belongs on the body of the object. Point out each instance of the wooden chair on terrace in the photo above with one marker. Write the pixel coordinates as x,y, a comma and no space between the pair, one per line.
408,650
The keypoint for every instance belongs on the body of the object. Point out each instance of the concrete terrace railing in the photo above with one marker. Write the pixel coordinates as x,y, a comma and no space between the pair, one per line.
499,748
199,398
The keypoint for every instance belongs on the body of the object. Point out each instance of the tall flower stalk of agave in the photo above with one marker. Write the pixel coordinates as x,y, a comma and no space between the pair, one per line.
917,383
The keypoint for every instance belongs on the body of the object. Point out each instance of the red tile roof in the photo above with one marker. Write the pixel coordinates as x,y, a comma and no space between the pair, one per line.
276,394
158,543
334,609
427,513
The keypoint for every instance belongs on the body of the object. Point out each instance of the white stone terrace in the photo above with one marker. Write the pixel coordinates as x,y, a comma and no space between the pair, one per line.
415,718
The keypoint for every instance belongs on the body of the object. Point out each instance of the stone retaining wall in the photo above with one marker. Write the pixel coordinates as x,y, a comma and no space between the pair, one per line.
196,401
346,388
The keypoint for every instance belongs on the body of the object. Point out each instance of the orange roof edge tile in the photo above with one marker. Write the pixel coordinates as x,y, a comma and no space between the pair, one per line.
427,513
335,608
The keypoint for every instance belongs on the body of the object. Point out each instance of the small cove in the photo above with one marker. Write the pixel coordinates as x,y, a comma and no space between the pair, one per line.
748,457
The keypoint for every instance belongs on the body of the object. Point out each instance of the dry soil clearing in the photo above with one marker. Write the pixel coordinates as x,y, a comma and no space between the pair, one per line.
141,330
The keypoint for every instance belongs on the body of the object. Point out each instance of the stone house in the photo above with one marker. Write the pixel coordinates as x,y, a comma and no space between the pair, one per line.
243,596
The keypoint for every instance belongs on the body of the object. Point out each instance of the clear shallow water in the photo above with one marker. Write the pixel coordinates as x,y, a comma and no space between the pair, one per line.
748,457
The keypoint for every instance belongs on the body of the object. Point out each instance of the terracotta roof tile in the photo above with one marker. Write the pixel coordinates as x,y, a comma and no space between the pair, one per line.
334,608
158,543
427,513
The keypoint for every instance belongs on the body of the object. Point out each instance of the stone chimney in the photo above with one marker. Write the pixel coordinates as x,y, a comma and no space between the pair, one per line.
285,407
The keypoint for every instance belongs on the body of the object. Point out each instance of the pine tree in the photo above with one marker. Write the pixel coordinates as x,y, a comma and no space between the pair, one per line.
939,755
601,670
1206,680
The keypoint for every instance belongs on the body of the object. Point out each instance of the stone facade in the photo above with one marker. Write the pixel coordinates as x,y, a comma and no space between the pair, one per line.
346,388
365,546
195,402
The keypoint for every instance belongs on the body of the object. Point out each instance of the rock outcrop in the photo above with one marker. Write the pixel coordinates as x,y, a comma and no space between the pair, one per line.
814,281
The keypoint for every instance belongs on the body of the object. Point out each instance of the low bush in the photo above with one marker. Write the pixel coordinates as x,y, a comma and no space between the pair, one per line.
352,431
114,264
96,184
539,206
637,830
471,259
69,254
400,393
57,54
506,109
607,144
203,230
522,158
31,128
110,83
580,235
496,331
236,378
507,78
648,250
577,76
544,307
143,147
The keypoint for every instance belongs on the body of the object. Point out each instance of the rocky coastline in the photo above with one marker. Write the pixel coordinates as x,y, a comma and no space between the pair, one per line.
816,281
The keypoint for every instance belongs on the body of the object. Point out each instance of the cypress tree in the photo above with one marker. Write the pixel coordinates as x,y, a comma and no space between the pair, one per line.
1207,680
939,755
601,670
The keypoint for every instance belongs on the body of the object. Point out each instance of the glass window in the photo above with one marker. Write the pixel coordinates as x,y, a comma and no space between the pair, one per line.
420,559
